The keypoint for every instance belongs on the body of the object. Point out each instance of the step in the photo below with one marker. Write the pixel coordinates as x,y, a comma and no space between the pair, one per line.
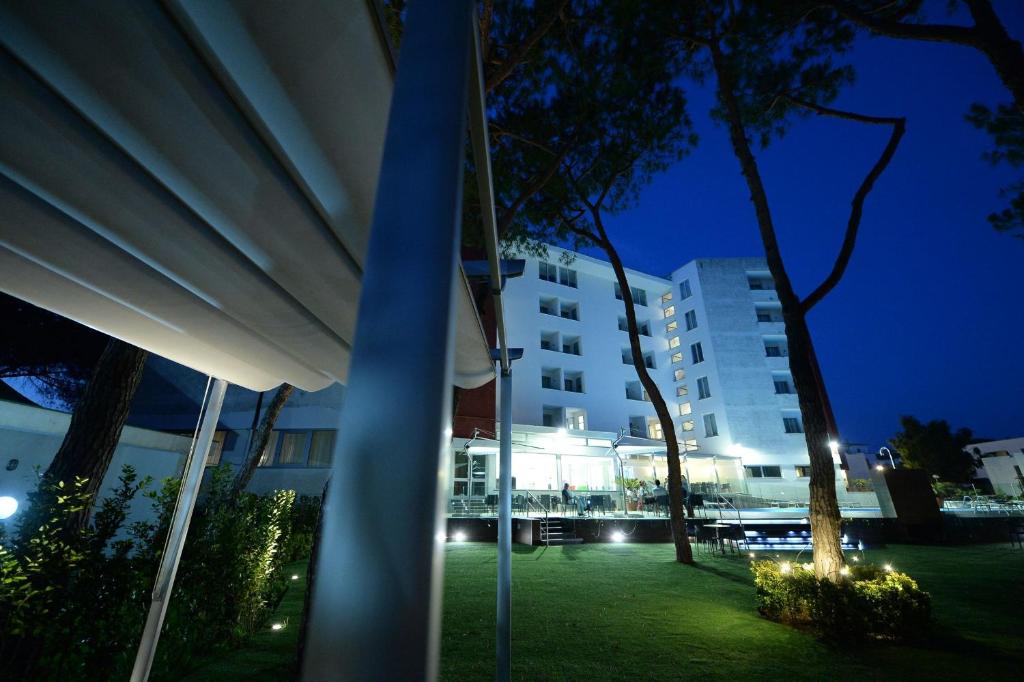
566,541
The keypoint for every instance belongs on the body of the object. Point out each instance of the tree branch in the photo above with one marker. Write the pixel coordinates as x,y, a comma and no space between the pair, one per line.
857,207
943,33
506,217
516,58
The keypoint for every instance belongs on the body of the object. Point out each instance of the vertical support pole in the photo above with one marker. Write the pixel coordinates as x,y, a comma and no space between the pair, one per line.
376,605
504,629
191,479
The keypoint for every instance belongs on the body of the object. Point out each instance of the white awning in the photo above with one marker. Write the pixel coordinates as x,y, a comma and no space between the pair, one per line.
198,179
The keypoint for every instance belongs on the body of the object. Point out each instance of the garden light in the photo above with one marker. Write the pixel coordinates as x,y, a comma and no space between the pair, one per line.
879,467
845,570
459,536
618,536
8,505
784,567
752,555
856,558
888,568
277,626
295,577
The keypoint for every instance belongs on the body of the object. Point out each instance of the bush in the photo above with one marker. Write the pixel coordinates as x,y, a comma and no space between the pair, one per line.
73,603
867,603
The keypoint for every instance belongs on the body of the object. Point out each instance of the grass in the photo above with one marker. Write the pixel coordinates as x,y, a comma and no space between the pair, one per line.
611,612
269,654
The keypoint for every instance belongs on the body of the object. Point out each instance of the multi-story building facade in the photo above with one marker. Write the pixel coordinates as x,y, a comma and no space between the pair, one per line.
713,340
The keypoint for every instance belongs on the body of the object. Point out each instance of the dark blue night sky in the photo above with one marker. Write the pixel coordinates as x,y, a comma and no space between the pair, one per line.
929,319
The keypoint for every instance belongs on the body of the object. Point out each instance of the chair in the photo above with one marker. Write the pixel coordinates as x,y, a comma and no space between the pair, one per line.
706,538
492,502
599,502
1017,535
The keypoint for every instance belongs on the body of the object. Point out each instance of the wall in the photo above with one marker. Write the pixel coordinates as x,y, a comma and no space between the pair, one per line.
33,435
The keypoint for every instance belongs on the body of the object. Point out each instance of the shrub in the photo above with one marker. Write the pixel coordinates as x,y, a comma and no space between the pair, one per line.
867,603
72,605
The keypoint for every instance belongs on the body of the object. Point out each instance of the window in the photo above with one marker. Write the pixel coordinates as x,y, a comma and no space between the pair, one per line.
759,282
548,272
216,448
550,377
670,311
574,382
299,448
666,297
618,292
552,416
627,356
803,471
571,345
710,425
549,306
575,418
644,328
782,387
671,327
775,348
703,388
677,357
567,277
690,445
569,311
639,296
649,361
681,391
679,375
685,409
760,471
635,391
691,320
697,352
638,427
654,430
673,342
792,425
684,290
321,450
623,325
549,341
689,425
767,312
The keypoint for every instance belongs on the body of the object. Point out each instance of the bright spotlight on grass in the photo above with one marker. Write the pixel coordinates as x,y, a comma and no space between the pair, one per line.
845,570
618,536
459,536
277,626
785,567
295,576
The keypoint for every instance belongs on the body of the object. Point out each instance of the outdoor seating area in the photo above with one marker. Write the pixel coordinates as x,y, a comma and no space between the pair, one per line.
984,505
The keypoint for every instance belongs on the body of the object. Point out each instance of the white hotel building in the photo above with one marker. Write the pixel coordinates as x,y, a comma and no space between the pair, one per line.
714,340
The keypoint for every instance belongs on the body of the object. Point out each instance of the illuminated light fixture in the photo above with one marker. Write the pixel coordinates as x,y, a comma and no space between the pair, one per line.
618,536
459,536
808,567
887,568
277,626
295,576
753,556
784,567
879,467
8,505
833,444
856,558
845,570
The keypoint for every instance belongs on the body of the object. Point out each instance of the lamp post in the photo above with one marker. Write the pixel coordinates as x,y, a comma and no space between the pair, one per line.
886,451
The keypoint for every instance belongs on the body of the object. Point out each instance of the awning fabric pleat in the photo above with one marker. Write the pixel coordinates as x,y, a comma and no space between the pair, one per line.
198,179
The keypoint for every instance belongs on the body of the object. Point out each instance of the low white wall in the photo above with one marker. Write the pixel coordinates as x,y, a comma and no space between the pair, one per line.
32,435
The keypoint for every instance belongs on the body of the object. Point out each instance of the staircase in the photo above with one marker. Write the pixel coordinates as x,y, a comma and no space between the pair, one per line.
558,531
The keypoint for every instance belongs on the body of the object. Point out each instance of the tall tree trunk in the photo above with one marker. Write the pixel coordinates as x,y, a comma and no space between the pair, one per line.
826,521
684,553
259,440
98,419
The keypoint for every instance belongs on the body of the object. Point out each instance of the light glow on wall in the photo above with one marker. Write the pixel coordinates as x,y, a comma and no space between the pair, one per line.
8,505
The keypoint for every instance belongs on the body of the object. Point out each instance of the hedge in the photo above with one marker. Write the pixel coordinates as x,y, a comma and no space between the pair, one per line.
869,602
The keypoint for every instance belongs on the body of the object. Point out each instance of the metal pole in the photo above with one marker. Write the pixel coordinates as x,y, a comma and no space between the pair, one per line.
191,480
376,605
504,631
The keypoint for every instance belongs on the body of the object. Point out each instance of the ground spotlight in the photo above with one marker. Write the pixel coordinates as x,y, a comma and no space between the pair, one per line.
277,626
618,536
459,536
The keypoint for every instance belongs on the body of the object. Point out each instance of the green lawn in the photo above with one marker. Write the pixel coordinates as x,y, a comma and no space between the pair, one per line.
613,612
